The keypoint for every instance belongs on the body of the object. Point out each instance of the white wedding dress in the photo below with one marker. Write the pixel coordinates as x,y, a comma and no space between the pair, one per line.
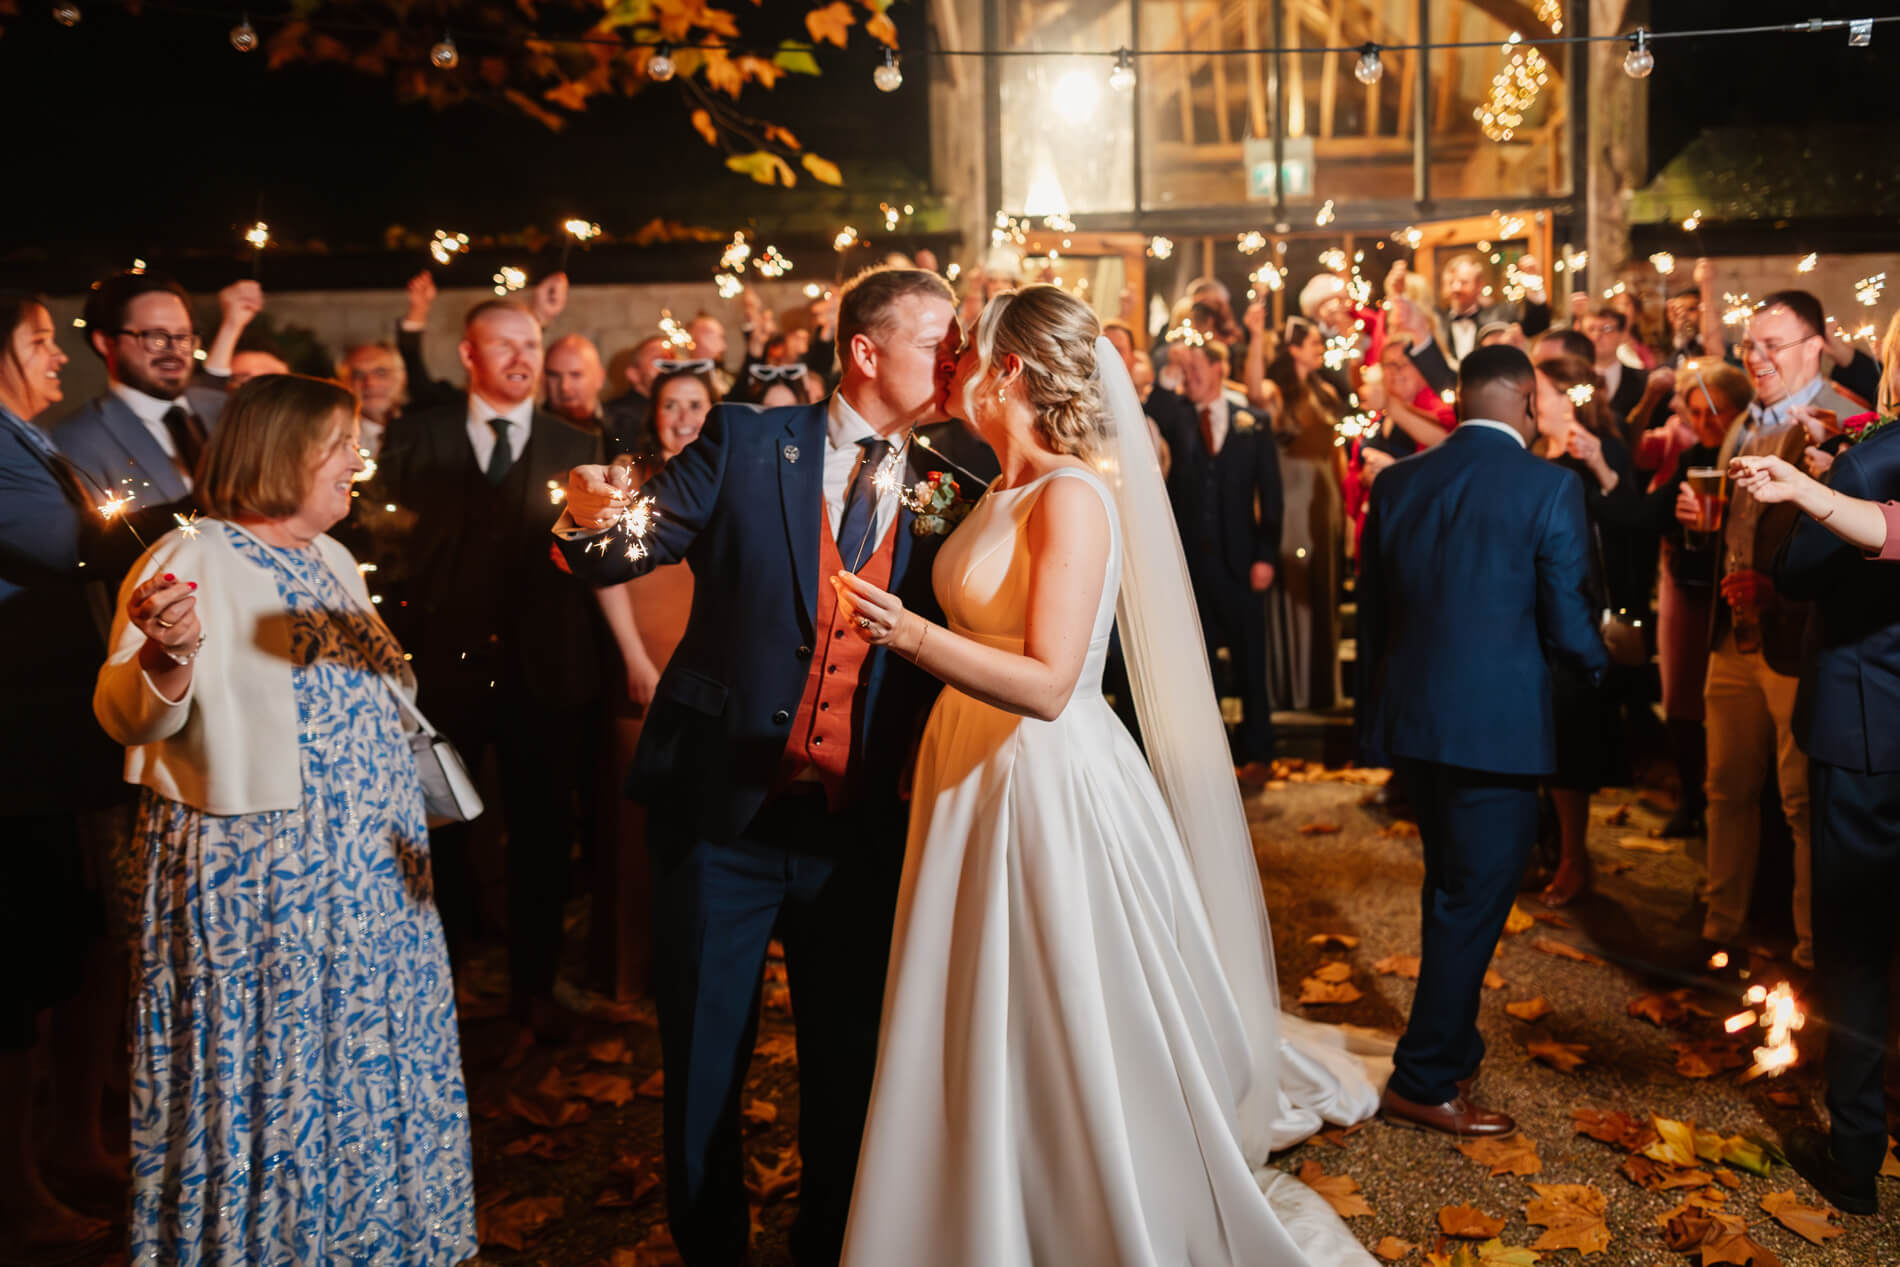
1062,1056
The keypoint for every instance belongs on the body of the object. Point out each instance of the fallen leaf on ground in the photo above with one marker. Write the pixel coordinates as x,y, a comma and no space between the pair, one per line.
1727,1178
627,1191
1468,1224
1655,1177
1666,1009
1717,1238
1889,1164
1492,1253
778,1049
1611,1126
1400,829
776,1181
776,999
1564,950
658,1249
1333,941
1530,1009
1335,971
1398,966
1514,1156
654,1088
547,1103
1674,1144
1783,1097
1552,918
1564,1057
760,1113
1811,1223
1494,980
1694,1203
1341,1191
1391,1248
541,1145
1735,1150
1517,921
604,1088
610,1051
1707,1057
1314,992
1571,1215
1618,817
1643,844
512,1224
1338,1135
1320,829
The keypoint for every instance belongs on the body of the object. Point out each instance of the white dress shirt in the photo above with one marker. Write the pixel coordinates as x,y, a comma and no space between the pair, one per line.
1612,376
844,427
1510,431
151,411
481,436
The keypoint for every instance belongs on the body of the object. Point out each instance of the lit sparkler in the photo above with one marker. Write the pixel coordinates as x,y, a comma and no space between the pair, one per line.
1325,215
1663,262
736,254
444,246
1508,226
1736,309
629,532
772,264
187,524
1059,223
1581,395
1868,289
813,290
729,286
509,279
1513,90
556,493
1186,334
953,271
582,231
258,235
1694,221
1781,1016
1807,262
1251,242
846,238
1159,247
1333,260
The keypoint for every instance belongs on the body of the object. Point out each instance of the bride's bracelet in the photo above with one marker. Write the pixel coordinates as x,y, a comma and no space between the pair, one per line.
184,659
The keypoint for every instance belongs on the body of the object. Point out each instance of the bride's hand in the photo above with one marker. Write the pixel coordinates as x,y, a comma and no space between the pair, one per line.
876,615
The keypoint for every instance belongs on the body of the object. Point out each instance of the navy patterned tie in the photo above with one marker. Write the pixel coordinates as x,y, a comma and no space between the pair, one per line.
860,504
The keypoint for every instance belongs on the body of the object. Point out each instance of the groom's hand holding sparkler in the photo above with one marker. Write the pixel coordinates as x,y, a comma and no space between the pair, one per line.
597,496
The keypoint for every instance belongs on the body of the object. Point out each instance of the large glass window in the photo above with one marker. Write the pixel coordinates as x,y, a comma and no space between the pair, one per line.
1068,138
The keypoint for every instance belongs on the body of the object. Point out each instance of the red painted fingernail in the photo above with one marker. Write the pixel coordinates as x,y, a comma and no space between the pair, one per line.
170,577
192,584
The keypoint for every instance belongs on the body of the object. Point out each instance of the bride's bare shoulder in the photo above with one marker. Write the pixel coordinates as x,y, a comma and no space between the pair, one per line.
1069,509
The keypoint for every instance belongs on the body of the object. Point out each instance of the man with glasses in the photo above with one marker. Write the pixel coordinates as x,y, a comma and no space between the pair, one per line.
1756,635
144,436
1634,394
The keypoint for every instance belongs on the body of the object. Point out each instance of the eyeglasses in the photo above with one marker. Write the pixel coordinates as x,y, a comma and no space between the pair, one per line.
162,340
1749,347
701,366
776,373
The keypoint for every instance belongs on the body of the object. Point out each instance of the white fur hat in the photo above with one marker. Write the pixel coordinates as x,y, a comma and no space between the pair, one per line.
1322,287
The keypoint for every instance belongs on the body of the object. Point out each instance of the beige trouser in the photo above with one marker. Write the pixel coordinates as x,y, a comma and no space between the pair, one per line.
1750,720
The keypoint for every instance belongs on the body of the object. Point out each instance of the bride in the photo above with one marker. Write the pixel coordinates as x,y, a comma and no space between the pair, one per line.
1081,1057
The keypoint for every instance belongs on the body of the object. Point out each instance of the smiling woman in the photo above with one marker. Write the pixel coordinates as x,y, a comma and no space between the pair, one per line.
262,703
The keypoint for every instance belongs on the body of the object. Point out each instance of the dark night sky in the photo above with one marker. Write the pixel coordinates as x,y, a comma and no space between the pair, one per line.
145,131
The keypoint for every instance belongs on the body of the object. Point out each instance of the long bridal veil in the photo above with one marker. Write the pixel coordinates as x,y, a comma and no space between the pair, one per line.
1301,1074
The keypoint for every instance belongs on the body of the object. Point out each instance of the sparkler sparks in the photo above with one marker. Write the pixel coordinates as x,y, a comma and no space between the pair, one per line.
1808,262
187,524
1581,395
1333,260
1694,221
509,279
629,532
556,493
1663,262
1059,223
445,245
1186,334
1159,247
1868,289
1251,242
1781,1016
846,238
736,254
772,264
1325,214
1736,309
1513,90
729,286
258,235
581,230
115,504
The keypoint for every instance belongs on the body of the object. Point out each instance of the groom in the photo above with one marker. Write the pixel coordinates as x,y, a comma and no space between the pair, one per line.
1474,565
772,754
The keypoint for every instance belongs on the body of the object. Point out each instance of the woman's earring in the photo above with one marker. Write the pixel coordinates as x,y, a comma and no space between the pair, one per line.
1002,394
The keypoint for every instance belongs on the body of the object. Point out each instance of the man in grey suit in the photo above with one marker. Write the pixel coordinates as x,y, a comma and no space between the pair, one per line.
145,434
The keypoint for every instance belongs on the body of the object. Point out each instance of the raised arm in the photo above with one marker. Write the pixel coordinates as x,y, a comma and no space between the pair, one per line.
684,496
1068,552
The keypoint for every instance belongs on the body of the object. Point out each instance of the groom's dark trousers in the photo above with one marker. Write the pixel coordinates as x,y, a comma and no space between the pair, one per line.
1474,567
1845,713
770,764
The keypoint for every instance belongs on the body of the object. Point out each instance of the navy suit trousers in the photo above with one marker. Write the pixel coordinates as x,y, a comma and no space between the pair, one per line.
826,885
1477,829
1856,882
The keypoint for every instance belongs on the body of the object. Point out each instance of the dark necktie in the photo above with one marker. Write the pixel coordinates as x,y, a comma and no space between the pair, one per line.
1207,428
502,457
188,438
860,504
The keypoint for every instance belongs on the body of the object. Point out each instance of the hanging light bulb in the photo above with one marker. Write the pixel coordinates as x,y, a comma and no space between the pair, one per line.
244,36
888,77
1369,70
445,56
660,66
1122,78
1639,61
66,14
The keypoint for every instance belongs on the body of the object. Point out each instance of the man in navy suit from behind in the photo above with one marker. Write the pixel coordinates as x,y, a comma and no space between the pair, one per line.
1473,578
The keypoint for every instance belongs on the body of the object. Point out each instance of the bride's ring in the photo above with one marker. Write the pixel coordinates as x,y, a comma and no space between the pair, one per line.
864,623
166,624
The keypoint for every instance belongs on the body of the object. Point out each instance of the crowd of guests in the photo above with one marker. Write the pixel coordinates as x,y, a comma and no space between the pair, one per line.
340,568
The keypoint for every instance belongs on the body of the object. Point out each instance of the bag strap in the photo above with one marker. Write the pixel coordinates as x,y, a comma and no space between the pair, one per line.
403,704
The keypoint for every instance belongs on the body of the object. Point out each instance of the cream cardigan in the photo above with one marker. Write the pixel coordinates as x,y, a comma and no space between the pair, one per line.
230,745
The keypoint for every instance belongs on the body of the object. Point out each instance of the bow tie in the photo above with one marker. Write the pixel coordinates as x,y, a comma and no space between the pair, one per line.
1465,316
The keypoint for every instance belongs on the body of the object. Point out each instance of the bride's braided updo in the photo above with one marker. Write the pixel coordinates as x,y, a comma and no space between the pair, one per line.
1053,334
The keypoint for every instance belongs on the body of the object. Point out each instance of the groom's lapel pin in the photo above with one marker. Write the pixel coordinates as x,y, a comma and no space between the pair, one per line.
791,453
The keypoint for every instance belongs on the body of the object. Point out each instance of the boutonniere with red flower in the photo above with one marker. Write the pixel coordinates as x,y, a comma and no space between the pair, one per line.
1860,426
937,503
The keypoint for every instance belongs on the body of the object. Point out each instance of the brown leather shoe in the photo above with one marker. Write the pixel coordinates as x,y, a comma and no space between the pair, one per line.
1458,1117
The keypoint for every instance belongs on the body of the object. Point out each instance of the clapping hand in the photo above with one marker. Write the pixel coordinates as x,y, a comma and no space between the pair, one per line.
165,610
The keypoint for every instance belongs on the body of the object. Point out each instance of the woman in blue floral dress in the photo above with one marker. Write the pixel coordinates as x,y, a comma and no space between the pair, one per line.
297,1093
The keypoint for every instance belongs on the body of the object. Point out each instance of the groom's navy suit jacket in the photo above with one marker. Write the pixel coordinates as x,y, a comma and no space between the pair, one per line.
743,507
1474,572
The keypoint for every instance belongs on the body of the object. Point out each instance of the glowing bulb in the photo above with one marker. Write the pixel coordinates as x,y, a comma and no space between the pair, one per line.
1122,78
244,36
445,56
660,66
1369,70
1639,61
1159,247
888,77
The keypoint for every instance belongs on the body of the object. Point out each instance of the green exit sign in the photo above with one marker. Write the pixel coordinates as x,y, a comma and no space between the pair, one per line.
1296,167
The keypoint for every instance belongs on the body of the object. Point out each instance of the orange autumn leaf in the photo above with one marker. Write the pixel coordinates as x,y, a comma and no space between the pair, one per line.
1341,1191
1717,1238
1707,1057
604,1088
1517,921
1398,966
1468,1223
703,124
1333,941
1571,1215
1564,950
831,24
778,1048
610,1051
882,29
1812,1223
822,170
774,1182
1654,1177
654,1088
760,1113
1611,1127
1666,1009
782,136
1514,1156
1564,1057
723,74
1494,980
513,1224
1314,991
1530,1009
1335,971
1391,1248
